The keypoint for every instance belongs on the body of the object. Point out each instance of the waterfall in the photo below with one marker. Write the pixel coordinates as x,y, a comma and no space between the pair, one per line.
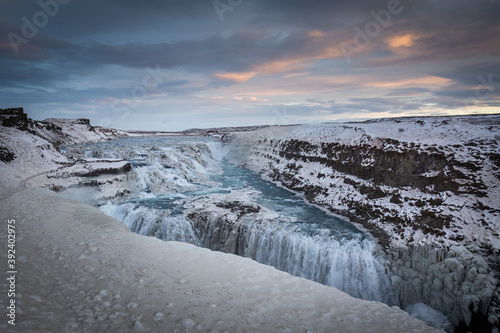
178,183
152,222
346,264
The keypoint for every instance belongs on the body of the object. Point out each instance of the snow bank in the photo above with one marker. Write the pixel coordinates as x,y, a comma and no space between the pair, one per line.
75,130
80,270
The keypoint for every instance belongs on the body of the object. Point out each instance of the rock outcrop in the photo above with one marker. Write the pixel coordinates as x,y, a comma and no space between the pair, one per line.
14,117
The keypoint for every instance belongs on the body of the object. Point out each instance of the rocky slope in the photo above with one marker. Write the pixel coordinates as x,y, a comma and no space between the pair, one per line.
428,189
29,150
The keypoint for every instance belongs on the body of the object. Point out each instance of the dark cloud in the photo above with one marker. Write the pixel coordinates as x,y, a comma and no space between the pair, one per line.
445,30
485,73
83,20
407,91
473,84
281,44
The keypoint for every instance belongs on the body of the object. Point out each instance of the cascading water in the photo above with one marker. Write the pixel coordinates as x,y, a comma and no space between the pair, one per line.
187,192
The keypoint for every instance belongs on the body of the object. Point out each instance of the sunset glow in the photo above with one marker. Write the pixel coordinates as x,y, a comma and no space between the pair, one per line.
143,65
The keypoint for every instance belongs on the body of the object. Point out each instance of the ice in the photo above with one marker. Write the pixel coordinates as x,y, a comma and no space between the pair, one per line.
218,150
152,222
429,316
158,180
464,224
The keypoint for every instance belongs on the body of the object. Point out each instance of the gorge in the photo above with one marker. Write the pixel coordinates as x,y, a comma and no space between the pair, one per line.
402,211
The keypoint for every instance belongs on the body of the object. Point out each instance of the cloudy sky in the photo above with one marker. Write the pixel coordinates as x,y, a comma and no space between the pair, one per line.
172,65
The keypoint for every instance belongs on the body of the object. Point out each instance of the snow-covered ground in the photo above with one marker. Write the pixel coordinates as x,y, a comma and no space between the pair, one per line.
79,270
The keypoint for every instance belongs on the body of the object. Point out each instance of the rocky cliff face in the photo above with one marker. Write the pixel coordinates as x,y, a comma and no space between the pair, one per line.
428,189
57,131
14,117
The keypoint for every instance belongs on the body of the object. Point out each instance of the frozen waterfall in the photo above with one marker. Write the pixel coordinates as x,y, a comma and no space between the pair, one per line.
187,192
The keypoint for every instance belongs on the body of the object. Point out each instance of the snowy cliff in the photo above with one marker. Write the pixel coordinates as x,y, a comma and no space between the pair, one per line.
428,189
29,148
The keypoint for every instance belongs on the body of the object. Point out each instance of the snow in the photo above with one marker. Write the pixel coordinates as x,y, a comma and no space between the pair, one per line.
469,240
35,153
34,156
466,139
80,130
84,271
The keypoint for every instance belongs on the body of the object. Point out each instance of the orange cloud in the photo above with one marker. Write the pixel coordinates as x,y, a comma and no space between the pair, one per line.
424,81
289,76
266,68
331,52
315,34
236,77
279,66
405,40
322,46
